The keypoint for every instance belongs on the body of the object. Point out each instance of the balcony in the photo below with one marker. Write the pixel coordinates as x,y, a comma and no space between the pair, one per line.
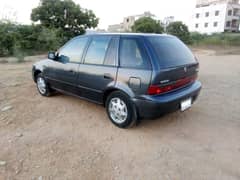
236,12
232,25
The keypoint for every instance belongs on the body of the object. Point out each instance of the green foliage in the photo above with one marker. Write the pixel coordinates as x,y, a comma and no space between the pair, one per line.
64,15
22,40
217,39
7,38
147,25
60,20
197,37
49,39
18,53
180,30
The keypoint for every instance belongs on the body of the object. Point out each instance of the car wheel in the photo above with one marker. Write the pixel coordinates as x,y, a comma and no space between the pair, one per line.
121,110
42,86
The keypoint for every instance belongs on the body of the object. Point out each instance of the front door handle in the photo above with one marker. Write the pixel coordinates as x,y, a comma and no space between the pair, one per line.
107,76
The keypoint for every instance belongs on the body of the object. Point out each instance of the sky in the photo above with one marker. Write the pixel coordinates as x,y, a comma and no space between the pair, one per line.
109,11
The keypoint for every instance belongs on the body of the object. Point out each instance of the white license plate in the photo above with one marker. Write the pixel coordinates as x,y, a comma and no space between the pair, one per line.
186,104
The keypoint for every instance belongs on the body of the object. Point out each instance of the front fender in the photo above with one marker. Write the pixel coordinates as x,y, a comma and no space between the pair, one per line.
39,67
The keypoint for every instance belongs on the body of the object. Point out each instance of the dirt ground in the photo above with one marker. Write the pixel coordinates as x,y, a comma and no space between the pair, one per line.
63,137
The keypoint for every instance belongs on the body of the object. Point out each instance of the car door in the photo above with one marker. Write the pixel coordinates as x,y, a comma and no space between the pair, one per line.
98,69
63,72
135,70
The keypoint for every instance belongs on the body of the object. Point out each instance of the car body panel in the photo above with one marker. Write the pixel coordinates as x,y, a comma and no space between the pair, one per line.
62,76
103,76
131,77
93,79
92,82
154,106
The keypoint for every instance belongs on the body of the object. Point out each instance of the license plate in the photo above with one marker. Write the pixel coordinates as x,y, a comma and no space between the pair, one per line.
186,104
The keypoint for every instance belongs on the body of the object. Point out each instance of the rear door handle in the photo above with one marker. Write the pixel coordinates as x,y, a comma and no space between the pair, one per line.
107,76
71,71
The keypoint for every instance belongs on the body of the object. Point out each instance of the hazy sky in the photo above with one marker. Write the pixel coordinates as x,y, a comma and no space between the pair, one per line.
109,11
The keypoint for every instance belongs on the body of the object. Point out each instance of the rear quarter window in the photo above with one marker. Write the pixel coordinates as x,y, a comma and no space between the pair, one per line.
170,51
132,53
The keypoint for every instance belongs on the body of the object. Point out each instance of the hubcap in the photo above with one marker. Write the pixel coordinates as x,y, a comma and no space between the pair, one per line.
41,84
118,110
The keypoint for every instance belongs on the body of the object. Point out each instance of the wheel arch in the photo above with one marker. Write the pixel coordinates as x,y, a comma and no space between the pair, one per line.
135,114
35,73
108,91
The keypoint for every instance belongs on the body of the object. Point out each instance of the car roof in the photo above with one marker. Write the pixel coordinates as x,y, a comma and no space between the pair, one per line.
127,34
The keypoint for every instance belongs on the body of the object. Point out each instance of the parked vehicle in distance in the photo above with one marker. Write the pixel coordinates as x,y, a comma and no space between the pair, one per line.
133,75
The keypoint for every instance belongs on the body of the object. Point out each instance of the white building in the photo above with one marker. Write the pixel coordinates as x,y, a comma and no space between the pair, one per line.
216,16
166,21
128,22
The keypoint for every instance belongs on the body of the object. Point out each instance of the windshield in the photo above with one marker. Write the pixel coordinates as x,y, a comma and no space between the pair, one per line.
171,52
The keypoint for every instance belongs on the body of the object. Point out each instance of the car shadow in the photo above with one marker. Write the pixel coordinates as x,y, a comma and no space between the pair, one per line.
162,120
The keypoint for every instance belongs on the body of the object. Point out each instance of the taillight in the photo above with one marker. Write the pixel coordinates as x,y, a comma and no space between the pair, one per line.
153,89
156,89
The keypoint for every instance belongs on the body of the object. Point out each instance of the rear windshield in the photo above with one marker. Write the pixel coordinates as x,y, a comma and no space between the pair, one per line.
171,52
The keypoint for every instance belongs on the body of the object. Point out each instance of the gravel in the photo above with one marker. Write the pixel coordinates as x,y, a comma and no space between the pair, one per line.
61,141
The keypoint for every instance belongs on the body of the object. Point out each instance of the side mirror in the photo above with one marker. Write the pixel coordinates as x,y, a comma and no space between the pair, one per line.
52,56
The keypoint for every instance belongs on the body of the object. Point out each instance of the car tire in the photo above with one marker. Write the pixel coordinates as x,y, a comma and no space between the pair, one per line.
121,110
43,86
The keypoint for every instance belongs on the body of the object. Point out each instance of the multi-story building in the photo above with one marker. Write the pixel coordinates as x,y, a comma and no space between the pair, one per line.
166,21
216,16
128,22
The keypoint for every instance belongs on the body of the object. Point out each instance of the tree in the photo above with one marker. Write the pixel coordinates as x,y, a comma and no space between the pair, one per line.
147,25
64,15
20,40
180,30
7,38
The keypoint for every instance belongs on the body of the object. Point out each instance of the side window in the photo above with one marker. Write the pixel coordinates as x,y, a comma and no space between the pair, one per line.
131,54
97,50
111,56
73,50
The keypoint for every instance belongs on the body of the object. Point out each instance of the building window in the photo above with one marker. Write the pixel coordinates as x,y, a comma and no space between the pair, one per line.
234,23
229,12
216,13
206,25
228,24
127,20
196,25
215,24
197,15
206,14
236,12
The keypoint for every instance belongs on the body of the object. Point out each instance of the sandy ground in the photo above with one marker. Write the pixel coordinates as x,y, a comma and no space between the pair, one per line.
62,137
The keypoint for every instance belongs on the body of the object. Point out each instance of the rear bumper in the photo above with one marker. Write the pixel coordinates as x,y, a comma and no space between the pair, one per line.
154,106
